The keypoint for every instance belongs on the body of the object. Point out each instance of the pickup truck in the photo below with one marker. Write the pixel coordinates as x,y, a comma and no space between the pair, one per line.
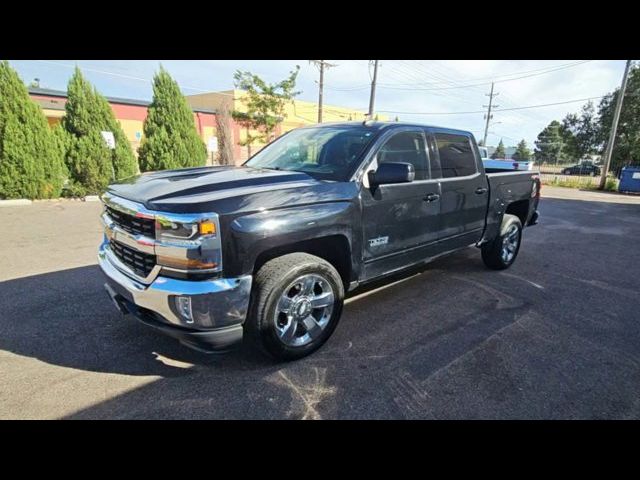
266,251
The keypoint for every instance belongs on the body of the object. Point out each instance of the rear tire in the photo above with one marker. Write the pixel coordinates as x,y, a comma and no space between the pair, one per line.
502,252
295,306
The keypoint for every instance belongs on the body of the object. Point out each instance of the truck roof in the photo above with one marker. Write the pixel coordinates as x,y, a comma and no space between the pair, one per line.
386,125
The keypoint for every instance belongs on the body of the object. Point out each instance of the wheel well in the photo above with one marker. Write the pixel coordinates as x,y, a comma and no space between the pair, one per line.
335,249
520,209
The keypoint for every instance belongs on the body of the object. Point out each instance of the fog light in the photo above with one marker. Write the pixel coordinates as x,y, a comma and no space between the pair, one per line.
183,305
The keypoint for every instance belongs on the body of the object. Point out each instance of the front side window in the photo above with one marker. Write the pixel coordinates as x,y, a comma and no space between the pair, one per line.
456,155
407,147
328,153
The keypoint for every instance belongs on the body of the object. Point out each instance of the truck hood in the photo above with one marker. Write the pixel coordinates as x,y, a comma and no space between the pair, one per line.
227,189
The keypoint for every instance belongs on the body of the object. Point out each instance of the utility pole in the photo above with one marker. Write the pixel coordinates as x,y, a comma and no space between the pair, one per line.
488,116
614,128
372,98
321,64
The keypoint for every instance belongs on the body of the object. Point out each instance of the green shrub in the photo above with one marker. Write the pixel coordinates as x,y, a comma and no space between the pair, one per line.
170,136
611,185
31,162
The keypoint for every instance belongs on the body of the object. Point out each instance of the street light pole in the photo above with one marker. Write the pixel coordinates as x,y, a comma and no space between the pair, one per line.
614,128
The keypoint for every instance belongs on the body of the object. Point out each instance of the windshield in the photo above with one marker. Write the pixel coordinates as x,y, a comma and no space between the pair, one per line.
328,153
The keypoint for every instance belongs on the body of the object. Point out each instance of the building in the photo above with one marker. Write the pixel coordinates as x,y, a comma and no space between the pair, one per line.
132,113
129,113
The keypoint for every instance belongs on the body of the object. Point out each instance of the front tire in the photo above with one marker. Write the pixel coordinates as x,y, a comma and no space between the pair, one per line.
296,305
502,252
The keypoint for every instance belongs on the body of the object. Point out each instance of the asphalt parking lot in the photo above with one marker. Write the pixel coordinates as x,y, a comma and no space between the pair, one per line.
555,337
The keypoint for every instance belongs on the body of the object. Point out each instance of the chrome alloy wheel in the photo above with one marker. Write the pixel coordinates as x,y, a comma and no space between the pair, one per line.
304,310
510,244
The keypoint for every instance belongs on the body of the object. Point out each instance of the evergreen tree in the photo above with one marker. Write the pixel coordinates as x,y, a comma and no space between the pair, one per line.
90,164
522,152
170,136
31,164
500,152
549,144
87,115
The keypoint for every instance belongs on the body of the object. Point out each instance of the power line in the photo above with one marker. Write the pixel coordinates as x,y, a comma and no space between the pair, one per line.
543,70
484,83
502,110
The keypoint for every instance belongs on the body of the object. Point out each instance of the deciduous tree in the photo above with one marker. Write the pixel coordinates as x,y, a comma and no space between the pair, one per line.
626,150
264,104
224,135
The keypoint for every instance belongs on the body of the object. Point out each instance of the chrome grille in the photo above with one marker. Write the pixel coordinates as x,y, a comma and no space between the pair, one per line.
132,224
141,263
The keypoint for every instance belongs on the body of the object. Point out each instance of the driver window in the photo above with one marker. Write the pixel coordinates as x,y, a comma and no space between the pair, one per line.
407,147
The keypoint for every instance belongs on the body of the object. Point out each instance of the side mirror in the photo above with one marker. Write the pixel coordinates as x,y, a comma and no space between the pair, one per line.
392,172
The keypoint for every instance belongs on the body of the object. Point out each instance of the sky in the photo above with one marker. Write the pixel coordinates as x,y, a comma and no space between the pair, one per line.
434,92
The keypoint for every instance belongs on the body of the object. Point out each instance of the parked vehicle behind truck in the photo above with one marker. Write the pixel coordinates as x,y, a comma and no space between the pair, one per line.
267,251
502,164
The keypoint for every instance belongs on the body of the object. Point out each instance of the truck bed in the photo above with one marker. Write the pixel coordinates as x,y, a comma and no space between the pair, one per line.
510,192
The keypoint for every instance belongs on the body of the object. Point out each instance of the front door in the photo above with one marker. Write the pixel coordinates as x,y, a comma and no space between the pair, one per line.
400,221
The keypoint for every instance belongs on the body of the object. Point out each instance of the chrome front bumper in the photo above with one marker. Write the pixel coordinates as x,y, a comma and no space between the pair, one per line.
218,306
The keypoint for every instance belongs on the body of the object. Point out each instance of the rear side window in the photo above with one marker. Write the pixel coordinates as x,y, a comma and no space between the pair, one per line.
456,155
407,147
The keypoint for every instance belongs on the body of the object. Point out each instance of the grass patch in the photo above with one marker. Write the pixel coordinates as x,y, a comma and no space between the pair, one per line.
588,183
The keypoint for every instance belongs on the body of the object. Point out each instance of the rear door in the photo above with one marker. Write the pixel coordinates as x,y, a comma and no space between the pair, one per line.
464,188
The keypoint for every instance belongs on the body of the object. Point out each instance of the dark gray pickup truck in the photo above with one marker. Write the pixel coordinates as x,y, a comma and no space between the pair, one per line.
267,250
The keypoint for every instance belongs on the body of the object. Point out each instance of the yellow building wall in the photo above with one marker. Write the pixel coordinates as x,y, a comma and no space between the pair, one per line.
297,114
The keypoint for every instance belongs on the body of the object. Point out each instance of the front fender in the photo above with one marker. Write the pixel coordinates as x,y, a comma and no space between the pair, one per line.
250,235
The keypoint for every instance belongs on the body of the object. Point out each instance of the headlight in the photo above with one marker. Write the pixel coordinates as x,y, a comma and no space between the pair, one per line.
188,243
168,230
171,229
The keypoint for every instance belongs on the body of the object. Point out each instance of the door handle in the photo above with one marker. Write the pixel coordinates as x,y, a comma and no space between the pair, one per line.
431,197
481,190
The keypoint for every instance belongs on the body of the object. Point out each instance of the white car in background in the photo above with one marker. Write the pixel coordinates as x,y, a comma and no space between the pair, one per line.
502,164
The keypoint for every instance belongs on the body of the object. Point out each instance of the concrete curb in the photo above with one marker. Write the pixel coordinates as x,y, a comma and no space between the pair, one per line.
15,203
24,201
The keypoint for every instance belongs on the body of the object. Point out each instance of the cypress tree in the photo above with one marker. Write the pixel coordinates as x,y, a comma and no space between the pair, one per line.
31,164
170,136
87,114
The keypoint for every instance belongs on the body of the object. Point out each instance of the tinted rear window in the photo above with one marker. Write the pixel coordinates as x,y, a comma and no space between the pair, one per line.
456,155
